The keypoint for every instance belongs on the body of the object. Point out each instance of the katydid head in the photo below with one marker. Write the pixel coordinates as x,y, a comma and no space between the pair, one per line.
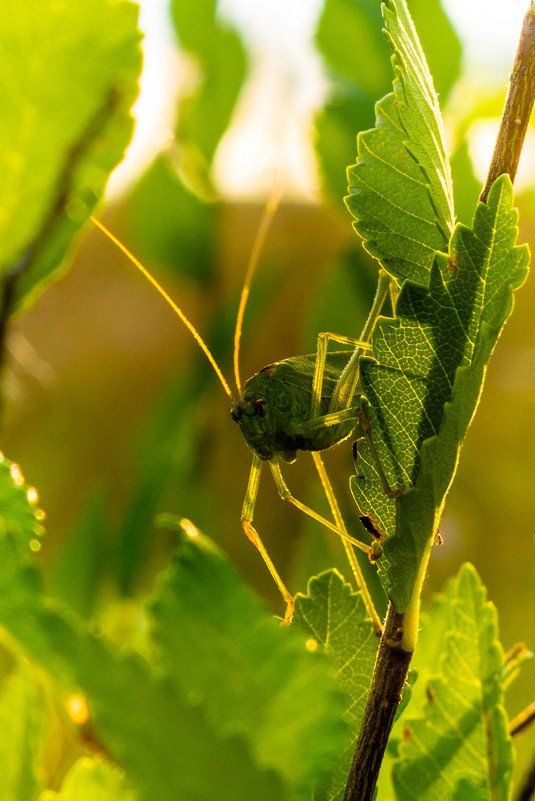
267,412
255,414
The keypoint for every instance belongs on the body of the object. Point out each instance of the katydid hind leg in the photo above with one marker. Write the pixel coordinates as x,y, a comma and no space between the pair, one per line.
355,567
321,358
286,495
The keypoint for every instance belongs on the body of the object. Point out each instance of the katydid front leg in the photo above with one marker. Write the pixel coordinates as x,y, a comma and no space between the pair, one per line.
252,534
286,495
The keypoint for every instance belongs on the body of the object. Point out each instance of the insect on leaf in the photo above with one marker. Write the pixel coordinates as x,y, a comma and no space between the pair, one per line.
400,189
425,385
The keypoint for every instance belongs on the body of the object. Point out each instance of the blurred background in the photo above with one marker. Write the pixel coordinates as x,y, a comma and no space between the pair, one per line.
112,411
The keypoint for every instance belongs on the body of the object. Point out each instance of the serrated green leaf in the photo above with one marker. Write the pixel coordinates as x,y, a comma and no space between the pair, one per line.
400,189
92,780
22,710
69,76
218,643
426,383
335,616
460,749
221,59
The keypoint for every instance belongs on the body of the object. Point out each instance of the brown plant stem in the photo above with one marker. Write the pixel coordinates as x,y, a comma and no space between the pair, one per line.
517,109
390,672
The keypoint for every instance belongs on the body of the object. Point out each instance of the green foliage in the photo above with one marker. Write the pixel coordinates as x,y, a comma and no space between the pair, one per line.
335,616
349,37
22,718
170,225
228,685
92,780
55,156
459,746
207,696
427,380
400,188
431,358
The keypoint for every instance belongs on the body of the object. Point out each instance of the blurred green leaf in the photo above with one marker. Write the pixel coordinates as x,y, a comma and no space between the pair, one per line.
221,59
92,780
20,517
425,386
84,560
335,616
400,189
467,186
163,741
218,643
350,38
22,715
349,35
170,225
460,748
69,78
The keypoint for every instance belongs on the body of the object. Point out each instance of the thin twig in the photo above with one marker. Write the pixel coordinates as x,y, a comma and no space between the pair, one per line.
517,109
389,675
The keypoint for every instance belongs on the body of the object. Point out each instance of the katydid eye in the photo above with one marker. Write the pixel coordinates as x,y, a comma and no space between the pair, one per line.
236,414
260,407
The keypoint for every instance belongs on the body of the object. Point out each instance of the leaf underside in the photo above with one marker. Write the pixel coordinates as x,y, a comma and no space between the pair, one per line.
426,378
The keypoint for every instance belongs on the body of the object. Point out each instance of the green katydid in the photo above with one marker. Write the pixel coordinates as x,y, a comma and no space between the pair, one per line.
308,403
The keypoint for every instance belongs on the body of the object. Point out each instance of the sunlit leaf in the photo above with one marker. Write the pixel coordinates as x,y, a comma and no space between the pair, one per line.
22,715
400,189
92,780
426,383
68,78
